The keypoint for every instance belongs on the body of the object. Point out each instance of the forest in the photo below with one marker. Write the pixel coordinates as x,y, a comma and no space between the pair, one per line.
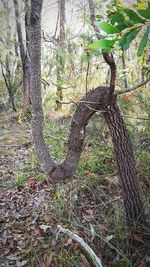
74,133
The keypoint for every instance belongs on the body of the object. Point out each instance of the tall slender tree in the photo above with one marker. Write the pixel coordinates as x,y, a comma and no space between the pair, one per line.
6,61
23,47
60,53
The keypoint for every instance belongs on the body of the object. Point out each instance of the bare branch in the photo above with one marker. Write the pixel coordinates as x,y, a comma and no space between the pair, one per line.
78,102
136,118
127,90
71,86
90,253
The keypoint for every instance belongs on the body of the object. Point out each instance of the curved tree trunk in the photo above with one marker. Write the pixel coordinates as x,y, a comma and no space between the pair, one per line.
95,100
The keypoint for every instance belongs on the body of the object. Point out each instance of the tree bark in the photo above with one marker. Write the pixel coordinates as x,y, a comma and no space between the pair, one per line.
60,52
122,143
7,78
95,100
5,66
24,58
45,160
126,164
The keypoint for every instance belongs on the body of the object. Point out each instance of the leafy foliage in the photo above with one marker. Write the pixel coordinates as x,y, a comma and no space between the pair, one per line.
125,24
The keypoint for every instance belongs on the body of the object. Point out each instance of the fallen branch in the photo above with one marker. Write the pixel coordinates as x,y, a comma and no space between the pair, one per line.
78,102
17,146
30,142
127,90
136,118
95,260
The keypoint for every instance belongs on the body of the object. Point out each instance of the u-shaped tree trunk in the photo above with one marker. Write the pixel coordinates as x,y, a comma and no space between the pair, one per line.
96,100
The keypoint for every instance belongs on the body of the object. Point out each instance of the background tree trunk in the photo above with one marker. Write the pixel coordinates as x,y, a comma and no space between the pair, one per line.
24,58
7,78
60,52
124,69
5,64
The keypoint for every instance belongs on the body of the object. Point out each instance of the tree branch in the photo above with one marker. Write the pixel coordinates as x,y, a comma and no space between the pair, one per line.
130,89
109,59
90,253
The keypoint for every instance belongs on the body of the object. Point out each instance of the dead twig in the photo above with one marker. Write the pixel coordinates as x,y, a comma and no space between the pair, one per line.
130,89
90,253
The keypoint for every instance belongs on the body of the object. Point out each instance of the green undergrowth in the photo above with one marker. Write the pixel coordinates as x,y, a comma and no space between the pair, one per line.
93,209
91,205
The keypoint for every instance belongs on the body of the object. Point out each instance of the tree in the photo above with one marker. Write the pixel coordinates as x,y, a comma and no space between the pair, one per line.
60,52
120,135
6,61
6,72
101,98
24,51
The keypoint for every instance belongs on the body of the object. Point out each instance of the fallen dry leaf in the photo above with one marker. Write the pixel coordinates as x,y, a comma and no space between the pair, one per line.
68,242
144,265
44,227
85,261
103,227
138,238
76,248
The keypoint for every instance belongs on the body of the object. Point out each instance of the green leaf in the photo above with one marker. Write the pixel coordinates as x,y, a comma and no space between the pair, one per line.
143,42
108,28
145,13
117,17
133,16
127,38
124,25
103,44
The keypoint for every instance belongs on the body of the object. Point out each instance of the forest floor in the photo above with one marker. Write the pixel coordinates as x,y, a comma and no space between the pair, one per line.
30,210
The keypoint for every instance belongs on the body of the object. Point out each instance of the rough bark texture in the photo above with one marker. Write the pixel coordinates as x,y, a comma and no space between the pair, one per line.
46,161
91,103
95,100
125,162
122,143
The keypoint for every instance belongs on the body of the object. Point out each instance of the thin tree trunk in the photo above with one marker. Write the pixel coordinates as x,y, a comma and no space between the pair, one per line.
124,69
27,59
7,79
24,58
46,161
6,71
61,50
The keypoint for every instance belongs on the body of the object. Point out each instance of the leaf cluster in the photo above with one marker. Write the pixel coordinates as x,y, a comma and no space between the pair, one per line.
122,27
